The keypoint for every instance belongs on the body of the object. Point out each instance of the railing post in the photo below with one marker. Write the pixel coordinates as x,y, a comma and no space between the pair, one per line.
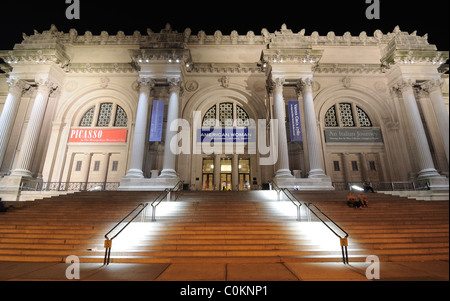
344,245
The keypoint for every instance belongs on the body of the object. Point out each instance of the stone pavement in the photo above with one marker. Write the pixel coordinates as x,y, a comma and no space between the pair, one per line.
266,272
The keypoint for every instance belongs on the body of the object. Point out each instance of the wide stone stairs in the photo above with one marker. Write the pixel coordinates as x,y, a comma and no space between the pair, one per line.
246,227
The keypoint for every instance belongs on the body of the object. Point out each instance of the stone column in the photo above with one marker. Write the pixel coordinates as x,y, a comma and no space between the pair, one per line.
437,101
140,130
280,115
314,150
86,167
424,158
235,172
172,115
32,133
8,116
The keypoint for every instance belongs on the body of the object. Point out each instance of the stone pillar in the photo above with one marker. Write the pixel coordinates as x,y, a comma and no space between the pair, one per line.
32,133
140,130
314,150
424,158
86,167
280,115
437,101
235,172
8,116
172,115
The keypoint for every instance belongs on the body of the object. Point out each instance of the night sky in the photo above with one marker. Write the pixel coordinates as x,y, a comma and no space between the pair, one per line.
429,16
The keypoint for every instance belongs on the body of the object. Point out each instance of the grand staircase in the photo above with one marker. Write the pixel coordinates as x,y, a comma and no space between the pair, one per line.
217,227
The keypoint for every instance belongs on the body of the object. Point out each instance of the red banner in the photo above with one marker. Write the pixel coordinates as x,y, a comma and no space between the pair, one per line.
98,135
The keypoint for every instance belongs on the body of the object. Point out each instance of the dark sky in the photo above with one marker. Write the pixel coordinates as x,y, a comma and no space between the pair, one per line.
429,16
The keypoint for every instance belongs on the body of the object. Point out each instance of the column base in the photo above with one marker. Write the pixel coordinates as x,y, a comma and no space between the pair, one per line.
317,173
284,173
309,184
145,184
22,173
168,173
10,187
428,173
134,174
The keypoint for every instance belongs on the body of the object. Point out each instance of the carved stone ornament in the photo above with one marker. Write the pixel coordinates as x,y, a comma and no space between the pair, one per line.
191,86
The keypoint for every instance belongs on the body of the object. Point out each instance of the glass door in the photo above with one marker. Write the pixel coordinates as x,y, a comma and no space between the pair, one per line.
244,174
208,174
226,169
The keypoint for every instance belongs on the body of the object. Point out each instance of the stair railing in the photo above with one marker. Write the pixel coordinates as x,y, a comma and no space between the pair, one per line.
108,241
343,238
290,196
137,210
312,208
167,192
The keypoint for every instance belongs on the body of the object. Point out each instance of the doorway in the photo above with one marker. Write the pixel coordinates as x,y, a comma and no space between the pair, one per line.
208,174
226,169
244,174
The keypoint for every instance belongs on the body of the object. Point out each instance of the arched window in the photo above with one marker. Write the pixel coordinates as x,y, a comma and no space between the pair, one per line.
343,115
105,115
226,113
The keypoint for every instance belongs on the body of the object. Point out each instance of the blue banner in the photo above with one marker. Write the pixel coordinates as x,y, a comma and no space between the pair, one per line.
226,135
157,121
295,121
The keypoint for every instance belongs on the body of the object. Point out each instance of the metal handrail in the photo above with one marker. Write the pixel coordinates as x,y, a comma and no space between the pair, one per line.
167,192
298,203
156,202
343,240
108,241
290,196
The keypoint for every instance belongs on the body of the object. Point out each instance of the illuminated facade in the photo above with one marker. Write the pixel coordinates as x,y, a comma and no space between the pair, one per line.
82,108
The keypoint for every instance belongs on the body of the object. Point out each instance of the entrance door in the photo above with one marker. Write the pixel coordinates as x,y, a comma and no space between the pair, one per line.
226,169
244,174
208,174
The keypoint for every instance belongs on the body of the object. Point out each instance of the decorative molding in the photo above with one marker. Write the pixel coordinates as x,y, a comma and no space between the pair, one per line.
101,68
349,68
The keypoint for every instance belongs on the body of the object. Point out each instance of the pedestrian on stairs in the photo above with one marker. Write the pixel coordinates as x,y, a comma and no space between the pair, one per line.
363,200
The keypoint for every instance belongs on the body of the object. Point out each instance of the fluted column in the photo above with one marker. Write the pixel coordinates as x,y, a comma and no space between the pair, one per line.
279,112
424,158
437,101
32,133
8,115
140,130
172,115
314,149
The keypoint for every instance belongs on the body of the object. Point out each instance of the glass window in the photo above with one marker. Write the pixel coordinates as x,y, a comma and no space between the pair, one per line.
242,117
96,165
209,120
104,116
121,117
345,109
115,166
79,164
330,117
226,114
88,118
363,118
336,166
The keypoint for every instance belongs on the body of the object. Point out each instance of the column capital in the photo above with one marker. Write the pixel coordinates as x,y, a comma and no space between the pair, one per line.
403,85
17,85
432,85
174,84
45,85
305,85
145,84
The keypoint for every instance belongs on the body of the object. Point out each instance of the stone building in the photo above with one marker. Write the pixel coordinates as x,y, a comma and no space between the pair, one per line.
305,111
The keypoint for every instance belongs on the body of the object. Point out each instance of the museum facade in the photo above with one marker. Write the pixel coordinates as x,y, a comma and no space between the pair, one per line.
223,112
